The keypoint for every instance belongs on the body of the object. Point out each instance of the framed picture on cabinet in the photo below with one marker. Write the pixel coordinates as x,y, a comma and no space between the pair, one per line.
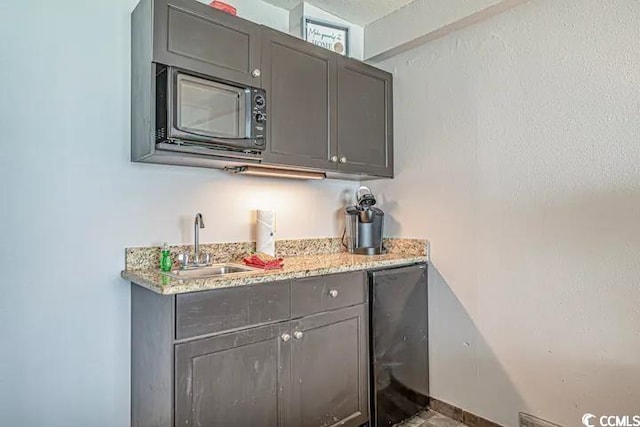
328,35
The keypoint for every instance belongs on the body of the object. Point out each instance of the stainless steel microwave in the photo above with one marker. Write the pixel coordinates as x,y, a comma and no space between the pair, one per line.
195,110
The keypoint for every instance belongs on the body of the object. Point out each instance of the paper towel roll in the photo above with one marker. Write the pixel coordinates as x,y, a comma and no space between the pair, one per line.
266,232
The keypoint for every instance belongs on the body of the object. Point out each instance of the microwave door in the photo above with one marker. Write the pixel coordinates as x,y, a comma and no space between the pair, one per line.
209,110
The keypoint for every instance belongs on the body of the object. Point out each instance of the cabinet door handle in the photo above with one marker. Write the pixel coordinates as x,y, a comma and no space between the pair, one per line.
285,337
343,159
256,72
334,159
333,293
297,334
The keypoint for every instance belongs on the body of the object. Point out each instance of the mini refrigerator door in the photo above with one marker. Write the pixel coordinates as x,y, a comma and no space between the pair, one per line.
399,344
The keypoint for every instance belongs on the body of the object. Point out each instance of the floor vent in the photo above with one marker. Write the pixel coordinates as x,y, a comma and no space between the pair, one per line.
527,420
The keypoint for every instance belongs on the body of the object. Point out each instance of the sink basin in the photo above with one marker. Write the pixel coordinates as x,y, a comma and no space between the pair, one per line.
214,270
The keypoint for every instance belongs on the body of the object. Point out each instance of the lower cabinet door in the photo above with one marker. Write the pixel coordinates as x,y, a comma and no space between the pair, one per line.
329,374
236,379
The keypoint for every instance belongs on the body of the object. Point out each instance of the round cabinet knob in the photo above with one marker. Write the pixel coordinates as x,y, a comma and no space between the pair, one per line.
297,335
334,159
260,118
256,72
333,293
343,160
285,337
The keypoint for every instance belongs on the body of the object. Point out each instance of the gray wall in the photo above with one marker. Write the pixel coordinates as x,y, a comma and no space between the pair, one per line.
517,154
71,202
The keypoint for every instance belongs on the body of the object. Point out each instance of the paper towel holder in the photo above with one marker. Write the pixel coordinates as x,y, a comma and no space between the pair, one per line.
265,231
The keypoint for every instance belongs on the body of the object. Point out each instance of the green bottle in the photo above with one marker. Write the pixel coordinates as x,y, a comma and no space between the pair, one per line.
165,258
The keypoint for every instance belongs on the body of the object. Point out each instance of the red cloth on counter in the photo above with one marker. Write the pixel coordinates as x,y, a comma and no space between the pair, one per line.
263,261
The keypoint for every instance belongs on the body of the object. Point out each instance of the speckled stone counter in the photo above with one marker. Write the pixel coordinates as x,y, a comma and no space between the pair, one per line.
141,264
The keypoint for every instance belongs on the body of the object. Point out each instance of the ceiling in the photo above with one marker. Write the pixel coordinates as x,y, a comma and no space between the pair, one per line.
359,12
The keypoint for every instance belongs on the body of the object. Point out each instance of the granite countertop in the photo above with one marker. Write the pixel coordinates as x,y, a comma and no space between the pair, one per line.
302,258
294,267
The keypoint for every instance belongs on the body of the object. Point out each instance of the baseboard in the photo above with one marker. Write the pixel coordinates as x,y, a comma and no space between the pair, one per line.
460,415
528,420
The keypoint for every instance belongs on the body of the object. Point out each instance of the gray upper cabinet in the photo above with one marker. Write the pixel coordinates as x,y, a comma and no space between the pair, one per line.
195,36
364,119
329,365
299,79
233,380
325,112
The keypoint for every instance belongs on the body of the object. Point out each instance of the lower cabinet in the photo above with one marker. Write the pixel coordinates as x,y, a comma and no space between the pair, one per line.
235,379
329,369
286,359
310,372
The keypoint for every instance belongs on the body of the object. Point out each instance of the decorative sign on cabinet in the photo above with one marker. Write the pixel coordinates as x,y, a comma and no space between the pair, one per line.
327,35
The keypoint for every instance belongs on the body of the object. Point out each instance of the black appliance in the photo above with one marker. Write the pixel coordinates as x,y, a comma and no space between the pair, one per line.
193,110
399,344
364,225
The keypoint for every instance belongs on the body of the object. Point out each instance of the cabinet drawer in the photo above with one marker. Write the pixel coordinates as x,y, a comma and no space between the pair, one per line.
316,294
220,310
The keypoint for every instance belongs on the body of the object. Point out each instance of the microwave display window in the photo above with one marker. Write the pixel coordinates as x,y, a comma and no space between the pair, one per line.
207,108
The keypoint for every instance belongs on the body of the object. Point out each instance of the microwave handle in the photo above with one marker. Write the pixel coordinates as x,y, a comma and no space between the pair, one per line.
226,140
219,139
203,149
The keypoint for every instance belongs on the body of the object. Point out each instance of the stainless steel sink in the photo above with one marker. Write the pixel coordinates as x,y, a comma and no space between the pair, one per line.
213,270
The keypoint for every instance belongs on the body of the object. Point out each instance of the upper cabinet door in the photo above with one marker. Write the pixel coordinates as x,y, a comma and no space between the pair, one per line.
192,35
365,119
299,79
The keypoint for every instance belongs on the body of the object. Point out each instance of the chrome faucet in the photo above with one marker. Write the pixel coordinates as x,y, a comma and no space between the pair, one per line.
197,225
198,260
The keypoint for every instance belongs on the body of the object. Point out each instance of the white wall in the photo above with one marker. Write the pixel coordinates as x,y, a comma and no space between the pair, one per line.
71,202
518,155
421,21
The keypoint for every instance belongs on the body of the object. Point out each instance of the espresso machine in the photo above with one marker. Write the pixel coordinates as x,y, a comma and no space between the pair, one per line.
363,225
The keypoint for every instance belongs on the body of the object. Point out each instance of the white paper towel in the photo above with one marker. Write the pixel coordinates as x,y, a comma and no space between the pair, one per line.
266,232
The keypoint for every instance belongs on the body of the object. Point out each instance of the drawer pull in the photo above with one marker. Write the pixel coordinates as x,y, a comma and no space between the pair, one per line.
285,337
297,334
333,293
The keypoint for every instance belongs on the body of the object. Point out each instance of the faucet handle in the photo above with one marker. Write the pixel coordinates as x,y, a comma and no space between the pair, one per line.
204,259
183,259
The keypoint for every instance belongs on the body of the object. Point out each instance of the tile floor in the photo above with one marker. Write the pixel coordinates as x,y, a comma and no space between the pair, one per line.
430,418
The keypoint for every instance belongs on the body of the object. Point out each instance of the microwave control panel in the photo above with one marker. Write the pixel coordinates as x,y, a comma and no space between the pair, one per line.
258,99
